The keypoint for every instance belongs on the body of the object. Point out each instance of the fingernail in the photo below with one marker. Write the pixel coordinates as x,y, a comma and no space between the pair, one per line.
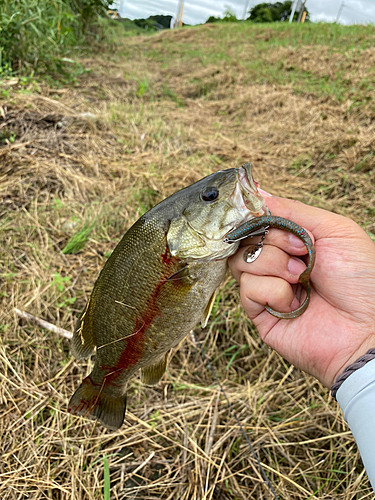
295,241
295,267
264,193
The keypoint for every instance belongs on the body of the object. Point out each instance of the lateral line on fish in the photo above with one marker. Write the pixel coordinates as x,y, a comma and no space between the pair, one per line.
204,357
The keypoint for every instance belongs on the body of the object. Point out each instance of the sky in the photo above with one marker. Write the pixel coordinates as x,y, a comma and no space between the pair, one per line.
197,11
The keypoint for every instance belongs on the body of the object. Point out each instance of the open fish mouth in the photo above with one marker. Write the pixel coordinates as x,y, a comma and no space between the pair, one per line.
246,178
246,197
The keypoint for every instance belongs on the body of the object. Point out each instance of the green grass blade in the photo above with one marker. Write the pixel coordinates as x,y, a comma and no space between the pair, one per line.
78,240
107,482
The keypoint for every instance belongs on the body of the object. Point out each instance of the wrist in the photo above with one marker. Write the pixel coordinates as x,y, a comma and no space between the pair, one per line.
360,361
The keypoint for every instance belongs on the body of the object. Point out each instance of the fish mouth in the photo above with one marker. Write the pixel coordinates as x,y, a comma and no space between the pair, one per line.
246,179
246,195
246,198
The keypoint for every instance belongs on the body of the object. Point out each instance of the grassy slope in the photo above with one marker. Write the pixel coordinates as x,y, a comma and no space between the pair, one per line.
170,108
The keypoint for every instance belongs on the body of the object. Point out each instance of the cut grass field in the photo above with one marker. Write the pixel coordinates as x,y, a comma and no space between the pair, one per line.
79,164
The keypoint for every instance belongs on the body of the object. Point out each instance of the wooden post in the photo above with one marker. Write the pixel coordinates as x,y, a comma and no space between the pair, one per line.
181,13
301,12
177,20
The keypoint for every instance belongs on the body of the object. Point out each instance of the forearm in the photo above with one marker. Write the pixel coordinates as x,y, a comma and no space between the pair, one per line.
356,398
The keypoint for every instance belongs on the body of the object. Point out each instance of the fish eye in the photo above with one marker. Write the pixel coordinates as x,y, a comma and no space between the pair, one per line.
210,194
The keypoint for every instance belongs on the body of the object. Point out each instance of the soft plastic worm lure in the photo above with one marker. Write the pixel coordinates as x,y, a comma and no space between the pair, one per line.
258,226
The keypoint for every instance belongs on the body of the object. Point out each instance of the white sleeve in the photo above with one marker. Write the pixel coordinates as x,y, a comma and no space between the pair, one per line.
356,397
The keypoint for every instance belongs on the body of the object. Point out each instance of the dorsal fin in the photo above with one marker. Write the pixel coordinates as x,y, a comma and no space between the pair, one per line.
83,337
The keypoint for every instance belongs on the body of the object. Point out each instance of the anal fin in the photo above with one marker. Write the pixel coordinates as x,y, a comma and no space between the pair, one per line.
208,309
153,373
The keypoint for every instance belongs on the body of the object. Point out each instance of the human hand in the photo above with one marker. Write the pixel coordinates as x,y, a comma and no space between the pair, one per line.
339,324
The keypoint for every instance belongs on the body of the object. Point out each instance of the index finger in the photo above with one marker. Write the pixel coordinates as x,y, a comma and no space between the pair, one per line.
283,239
321,223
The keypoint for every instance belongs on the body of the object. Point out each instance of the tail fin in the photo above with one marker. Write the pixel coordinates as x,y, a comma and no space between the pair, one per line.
90,400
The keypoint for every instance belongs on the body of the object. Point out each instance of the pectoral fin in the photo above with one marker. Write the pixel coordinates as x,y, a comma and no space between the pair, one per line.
153,373
182,276
207,312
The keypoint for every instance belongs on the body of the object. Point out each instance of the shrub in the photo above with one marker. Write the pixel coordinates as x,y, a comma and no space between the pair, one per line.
37,34
267,12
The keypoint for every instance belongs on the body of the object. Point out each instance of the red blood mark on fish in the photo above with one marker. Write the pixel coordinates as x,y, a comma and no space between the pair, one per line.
134,349
135,343
85,405
167,258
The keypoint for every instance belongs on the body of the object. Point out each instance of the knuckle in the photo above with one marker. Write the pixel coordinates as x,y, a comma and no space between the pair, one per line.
245,281
281,290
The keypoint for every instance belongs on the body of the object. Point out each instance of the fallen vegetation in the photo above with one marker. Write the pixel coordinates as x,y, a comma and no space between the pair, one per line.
79,164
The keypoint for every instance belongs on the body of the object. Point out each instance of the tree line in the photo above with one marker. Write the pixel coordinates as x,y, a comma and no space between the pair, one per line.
265,12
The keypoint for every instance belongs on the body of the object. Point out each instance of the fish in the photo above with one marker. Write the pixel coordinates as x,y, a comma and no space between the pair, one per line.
157,285
252,228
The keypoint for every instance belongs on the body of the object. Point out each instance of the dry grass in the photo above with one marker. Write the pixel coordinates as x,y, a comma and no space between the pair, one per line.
168,110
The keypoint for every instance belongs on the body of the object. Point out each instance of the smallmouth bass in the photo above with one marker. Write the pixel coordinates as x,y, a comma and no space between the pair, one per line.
159,282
